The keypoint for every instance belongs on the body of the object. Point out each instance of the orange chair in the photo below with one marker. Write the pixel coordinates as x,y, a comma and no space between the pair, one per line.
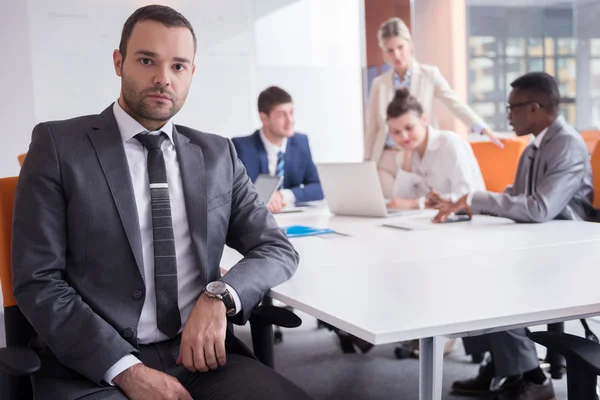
590,137
21,158
499,166
17,361
596,176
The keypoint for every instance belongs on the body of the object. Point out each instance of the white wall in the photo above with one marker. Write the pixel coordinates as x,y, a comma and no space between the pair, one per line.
16,103
61,66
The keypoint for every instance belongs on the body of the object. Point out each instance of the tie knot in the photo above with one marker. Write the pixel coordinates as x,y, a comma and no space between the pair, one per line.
150,142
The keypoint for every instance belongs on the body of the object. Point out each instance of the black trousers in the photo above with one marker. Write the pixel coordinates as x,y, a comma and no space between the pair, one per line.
243,377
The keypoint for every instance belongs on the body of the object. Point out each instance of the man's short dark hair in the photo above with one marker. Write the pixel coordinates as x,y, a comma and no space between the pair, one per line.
163,14
541,87
271,97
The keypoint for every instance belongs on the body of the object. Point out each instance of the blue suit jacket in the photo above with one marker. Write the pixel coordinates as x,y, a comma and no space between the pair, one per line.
301,175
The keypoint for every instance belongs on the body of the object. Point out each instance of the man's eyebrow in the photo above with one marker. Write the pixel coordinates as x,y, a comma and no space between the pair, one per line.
152,54
182,60
146,53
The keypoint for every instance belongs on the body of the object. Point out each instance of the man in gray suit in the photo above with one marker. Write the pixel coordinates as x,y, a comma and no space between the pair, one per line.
553,181
120,222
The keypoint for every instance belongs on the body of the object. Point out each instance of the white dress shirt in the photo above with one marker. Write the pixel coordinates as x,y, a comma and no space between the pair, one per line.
448,167
289,198
189,282
536,142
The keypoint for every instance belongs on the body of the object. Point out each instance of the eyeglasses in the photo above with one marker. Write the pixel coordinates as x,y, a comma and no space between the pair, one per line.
510,107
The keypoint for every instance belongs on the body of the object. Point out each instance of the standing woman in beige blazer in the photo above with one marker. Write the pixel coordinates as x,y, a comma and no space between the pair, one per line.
425,83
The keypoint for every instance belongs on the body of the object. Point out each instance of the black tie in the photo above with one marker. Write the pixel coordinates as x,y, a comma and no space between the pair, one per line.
165,263
531,157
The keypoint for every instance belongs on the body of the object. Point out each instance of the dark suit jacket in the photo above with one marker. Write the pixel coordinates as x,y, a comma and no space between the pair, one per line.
301,175
562,182
76,252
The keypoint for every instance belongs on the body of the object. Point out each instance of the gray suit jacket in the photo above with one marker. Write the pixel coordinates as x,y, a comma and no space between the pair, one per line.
76,252
562,187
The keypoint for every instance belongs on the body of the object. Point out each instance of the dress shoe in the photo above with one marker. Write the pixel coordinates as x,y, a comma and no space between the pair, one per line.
526,390
350,343
362,345
481,385
413,347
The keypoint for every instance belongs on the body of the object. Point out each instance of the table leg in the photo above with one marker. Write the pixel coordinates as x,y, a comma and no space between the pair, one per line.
431,358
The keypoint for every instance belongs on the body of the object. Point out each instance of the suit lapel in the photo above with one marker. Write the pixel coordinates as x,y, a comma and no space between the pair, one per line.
555,127
108,144
193,182
263,162
415,78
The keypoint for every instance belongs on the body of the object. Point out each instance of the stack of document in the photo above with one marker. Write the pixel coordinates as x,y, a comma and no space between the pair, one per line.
300,230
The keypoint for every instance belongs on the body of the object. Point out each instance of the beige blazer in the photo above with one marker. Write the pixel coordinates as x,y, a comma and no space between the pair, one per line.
426,84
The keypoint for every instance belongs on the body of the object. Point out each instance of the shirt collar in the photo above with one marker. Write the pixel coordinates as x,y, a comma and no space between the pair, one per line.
269,146
399,83
433,139
538,139
129,127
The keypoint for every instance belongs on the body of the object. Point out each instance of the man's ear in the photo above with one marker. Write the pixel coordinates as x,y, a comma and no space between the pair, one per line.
424,119
118,62
264,118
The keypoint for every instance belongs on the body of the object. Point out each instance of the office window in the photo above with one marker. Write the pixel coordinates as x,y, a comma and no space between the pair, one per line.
538,39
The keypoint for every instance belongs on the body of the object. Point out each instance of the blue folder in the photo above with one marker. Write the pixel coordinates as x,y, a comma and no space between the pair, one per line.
300,230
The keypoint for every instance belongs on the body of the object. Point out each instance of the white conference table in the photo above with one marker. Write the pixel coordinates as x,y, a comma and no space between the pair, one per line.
386,285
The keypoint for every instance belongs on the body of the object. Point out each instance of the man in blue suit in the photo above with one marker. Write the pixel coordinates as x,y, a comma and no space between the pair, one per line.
276,149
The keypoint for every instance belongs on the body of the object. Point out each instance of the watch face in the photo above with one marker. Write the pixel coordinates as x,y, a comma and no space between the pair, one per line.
216,287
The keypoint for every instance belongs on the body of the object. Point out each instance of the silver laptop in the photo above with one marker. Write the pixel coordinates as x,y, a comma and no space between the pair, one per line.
266,185
354,189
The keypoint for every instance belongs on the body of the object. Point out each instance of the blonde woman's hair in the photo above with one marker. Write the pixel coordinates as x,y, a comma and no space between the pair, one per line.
393,27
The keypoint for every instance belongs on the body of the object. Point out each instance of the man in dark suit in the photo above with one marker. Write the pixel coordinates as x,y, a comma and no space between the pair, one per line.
114,263
276,149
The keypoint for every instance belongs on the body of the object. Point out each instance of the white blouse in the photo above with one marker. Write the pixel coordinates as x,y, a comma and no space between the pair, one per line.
448,168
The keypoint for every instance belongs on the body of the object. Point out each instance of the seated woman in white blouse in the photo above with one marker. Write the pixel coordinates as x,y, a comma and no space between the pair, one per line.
431,160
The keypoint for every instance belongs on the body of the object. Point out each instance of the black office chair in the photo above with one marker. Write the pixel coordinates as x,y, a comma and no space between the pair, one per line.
18,361
582,361
554,360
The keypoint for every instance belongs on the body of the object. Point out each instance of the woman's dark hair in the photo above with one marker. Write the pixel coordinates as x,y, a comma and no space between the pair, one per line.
402,103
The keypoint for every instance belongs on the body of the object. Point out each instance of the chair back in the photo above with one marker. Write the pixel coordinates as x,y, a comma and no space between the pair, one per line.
590,137
596,176
21,158
499,166
17,328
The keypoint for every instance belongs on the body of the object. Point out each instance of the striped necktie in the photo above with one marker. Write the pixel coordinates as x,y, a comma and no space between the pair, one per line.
165,264
280,164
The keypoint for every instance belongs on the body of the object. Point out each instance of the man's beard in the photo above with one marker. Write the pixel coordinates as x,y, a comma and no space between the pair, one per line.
135,102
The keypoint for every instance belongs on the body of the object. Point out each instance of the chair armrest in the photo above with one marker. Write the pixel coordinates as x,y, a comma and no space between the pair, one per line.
272,315
19,361
571,347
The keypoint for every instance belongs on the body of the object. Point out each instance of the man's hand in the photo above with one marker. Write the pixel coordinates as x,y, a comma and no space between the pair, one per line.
142,383
407,160
276,203
434,200
405,204
446,208
493,137
203,337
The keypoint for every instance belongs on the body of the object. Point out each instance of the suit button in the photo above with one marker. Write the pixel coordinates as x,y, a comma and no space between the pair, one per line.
128,333
137,294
